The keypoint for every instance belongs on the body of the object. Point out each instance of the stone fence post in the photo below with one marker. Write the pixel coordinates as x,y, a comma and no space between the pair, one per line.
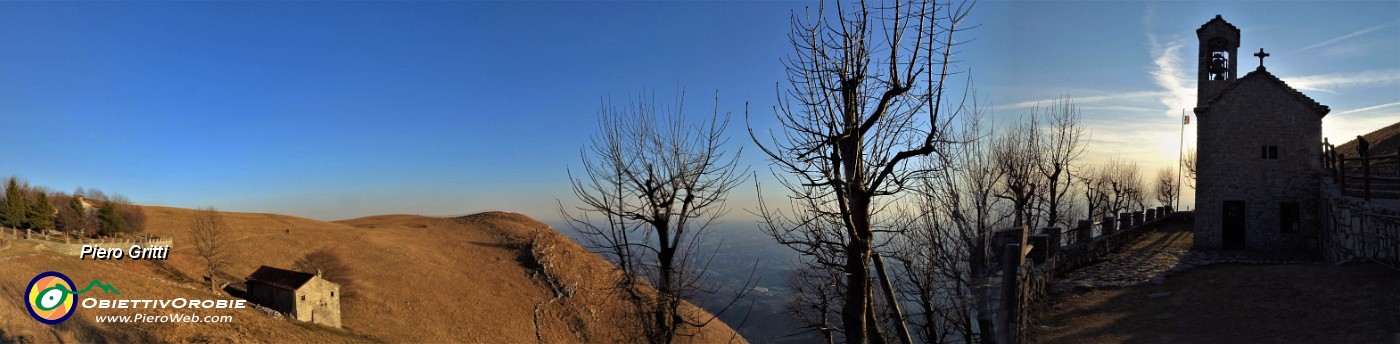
1056,235
1151,214
1040,248
1107,226
1125,221
1084,232
1010,296
1137,218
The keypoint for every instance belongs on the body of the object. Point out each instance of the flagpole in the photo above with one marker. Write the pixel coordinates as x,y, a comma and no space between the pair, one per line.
1180,159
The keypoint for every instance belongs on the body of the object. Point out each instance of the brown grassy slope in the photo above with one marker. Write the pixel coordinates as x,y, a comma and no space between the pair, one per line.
135,280
1382,141
511,285
417,279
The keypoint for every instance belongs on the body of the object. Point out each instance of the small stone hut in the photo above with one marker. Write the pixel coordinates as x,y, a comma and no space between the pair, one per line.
303,296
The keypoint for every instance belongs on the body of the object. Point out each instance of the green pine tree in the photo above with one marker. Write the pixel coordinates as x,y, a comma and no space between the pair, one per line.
76,204
15,212
41,213
111,219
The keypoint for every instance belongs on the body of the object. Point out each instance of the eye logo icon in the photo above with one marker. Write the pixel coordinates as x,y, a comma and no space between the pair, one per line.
50,298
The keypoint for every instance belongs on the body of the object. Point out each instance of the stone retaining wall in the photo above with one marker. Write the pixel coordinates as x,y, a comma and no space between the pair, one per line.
1353,229
1028,273
75,246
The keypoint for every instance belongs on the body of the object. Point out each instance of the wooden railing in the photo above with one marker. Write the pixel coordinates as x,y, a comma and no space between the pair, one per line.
1368,175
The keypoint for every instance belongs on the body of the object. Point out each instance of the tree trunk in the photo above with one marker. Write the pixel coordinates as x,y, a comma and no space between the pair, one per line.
872,323
857,291
853,314
665,294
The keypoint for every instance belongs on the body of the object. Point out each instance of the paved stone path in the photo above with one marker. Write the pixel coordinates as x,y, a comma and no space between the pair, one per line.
1158,255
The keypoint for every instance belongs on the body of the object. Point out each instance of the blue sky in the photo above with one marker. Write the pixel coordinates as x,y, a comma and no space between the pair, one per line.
334,110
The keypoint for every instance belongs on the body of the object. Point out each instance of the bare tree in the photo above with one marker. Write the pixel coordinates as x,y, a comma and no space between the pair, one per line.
95,194
1166,187
1188,165
865,95
943,251
329,266
658,181
1018,155
1062,144
1094,182
210,236
934,280
71,215
1125,185
816,292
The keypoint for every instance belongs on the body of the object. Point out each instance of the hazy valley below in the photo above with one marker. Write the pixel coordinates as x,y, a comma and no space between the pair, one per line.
743,248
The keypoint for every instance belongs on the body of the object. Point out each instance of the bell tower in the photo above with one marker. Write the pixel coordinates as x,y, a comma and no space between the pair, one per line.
1217,58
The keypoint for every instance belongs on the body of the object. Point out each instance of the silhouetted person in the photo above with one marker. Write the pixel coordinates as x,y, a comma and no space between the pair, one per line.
1362,146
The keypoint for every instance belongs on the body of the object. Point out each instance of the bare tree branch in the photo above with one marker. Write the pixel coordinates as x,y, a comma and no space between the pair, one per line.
659,181
864,97
210,235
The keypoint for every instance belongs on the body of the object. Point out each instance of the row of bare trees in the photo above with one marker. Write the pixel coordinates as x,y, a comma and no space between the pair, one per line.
876,159
873,166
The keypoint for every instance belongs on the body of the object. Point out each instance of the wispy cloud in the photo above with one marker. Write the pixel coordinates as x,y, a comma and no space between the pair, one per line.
1169,74
1119,109
1082,101
1340,126
1367,109
1332,82
1343,37
1178,87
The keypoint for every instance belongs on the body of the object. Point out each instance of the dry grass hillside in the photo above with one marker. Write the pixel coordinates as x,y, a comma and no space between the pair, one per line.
1382,141
473,279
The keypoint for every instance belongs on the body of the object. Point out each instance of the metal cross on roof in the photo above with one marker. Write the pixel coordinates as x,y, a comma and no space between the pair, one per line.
1261,54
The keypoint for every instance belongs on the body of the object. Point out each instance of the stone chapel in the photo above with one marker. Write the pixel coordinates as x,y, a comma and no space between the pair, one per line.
1259,151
